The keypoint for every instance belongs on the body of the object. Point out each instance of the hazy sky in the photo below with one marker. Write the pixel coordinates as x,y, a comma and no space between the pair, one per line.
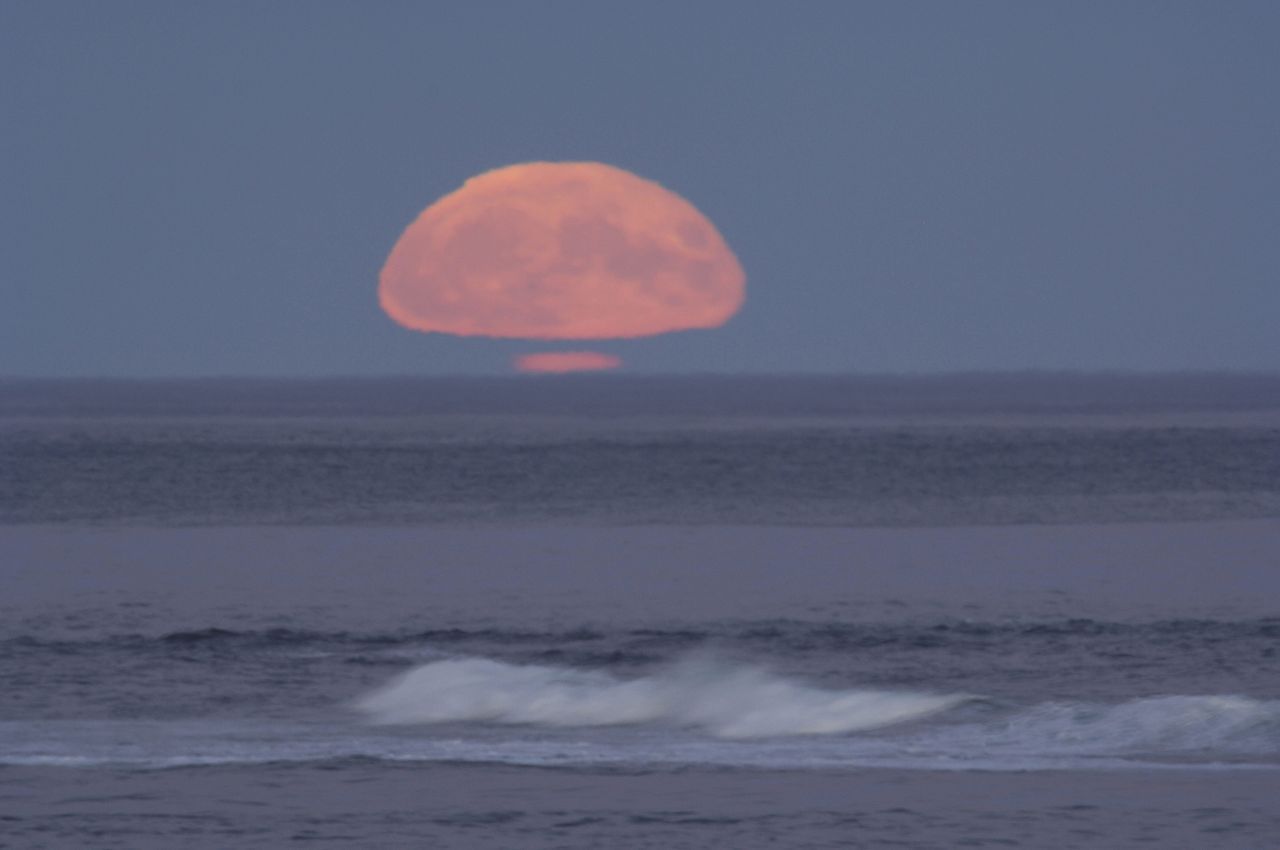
211,188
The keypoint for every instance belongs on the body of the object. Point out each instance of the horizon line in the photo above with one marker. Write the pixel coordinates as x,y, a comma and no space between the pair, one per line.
517,377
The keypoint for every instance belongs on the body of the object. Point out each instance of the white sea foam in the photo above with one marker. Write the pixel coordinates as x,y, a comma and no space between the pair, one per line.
1167,732
728,701
1164,725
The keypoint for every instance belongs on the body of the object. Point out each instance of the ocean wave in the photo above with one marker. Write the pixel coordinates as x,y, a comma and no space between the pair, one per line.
1220,724
728,701
756,720
799,635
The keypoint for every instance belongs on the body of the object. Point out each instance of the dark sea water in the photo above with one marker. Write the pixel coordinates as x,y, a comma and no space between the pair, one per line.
1037,611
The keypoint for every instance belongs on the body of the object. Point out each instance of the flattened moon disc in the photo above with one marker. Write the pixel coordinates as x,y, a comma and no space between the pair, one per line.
573,250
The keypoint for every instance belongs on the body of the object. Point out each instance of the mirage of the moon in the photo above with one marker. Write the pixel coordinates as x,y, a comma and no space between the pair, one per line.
561,251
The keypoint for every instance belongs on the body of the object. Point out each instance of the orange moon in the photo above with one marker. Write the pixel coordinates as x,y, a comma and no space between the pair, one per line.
560,250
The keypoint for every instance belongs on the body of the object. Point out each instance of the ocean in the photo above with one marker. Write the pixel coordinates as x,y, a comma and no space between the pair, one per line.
1035,610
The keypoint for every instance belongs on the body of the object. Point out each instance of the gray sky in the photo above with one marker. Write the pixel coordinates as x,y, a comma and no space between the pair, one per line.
211,188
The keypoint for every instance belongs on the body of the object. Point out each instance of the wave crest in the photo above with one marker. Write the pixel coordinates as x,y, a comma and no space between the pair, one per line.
728,701
1153,725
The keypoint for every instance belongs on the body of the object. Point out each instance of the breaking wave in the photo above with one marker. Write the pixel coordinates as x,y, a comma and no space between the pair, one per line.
1150,726
734,717
726,701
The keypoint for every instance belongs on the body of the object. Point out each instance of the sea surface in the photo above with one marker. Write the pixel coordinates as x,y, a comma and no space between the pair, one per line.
976,611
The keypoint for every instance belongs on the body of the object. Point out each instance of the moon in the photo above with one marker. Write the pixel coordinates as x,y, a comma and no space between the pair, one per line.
561,250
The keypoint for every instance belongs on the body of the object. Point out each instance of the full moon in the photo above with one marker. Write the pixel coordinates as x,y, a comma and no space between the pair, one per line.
560,250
